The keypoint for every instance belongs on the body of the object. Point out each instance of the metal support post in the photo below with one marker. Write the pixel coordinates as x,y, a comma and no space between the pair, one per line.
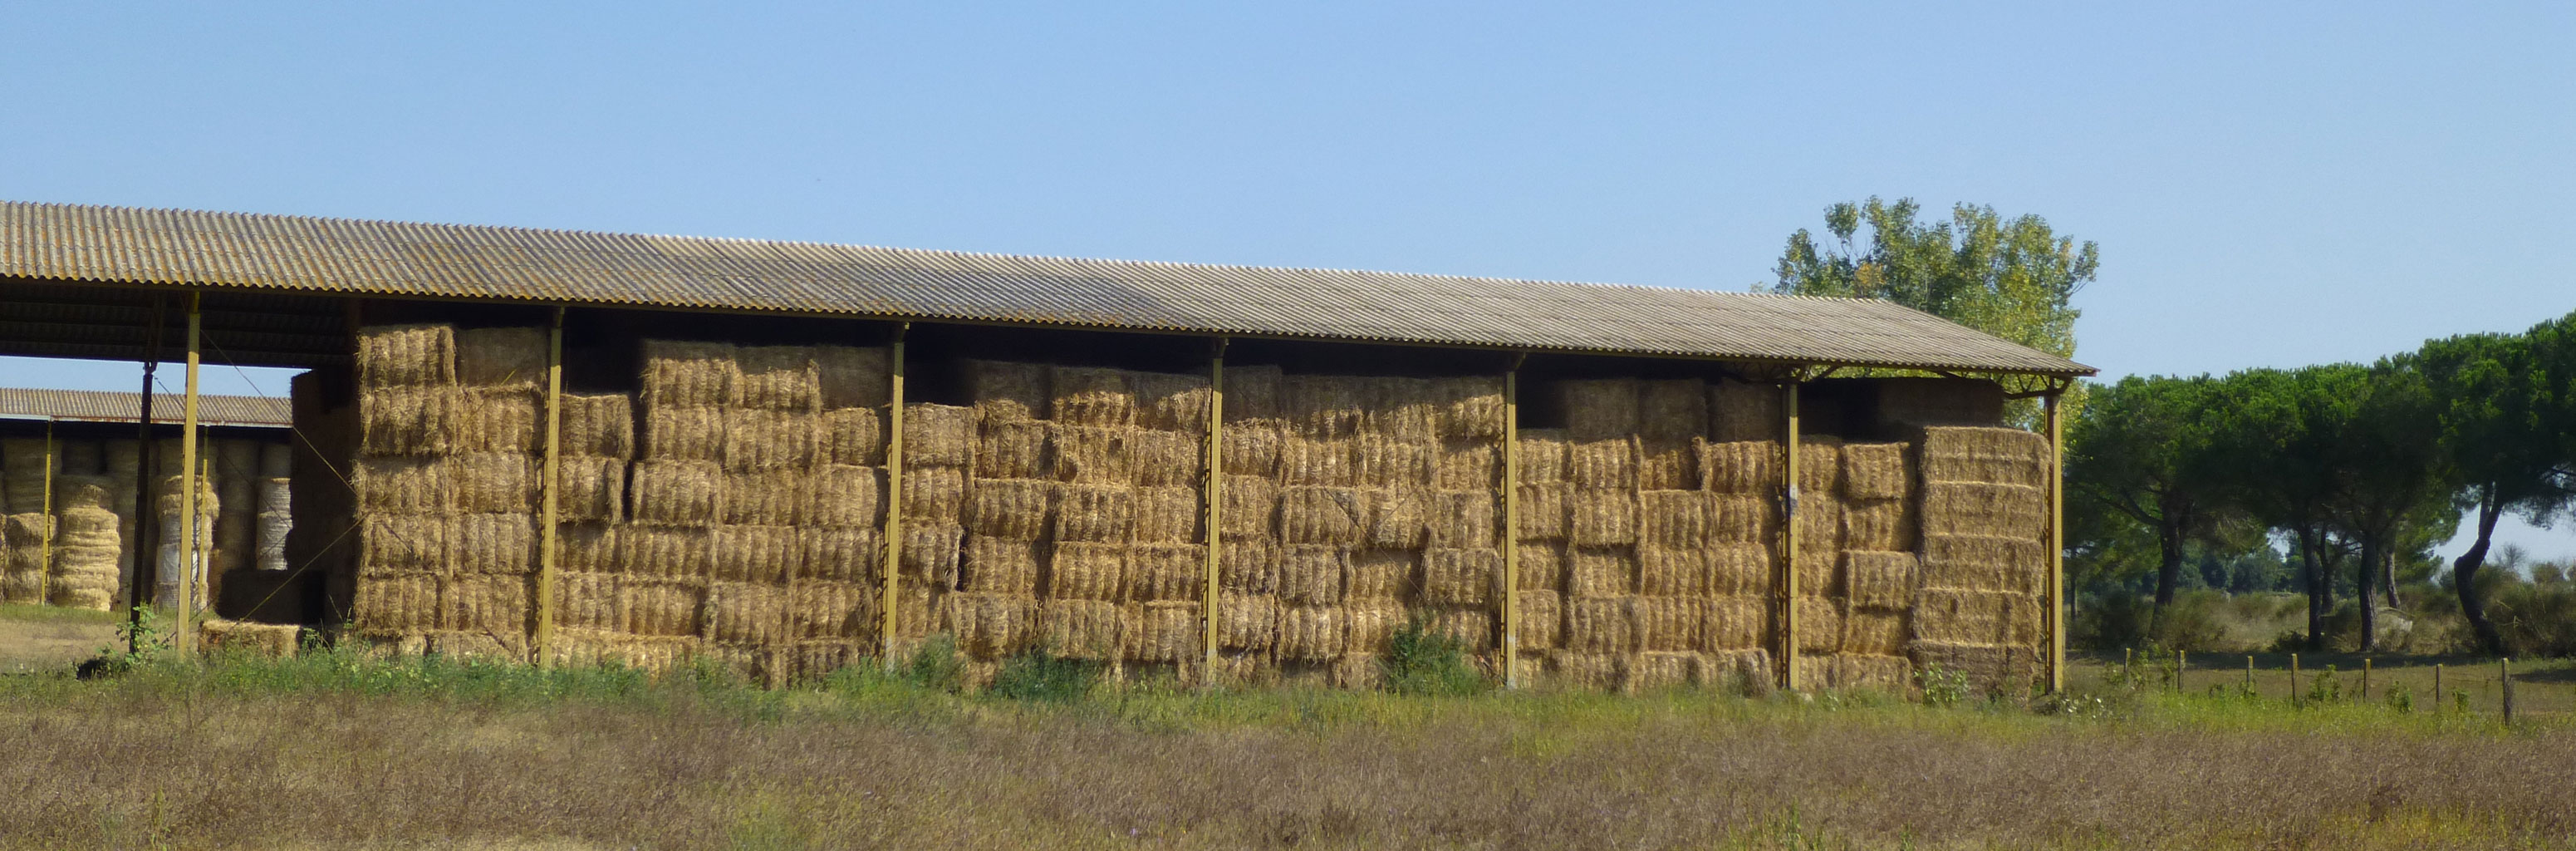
183,633
543,643
1788,584
1512,522
1212,489
893,535
2056,544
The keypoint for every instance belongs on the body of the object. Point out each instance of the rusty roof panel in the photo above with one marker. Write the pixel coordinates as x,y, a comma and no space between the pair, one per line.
389,259
113,407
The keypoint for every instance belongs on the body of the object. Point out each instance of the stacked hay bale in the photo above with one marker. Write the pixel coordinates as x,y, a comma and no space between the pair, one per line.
1858,564
1980,598
172,526
88,542
234,470
26,470
1250,596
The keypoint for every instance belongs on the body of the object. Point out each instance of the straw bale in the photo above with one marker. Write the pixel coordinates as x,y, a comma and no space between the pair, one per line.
1463,518
1012,449
841,495
1247,567
1602,517
1395,518
1324,406
1311,575
1875,471
1251,508
1369,626
767,554
396,602
1007,391
843,554
78,457
487,604
1575,670
807,662
251,639
1382,462
1982,617
1471,628
1883,580
1820,573
745,612
1965,508
1095,513
1744,518
585,600
1598,572
1543,456
1252,392
852,377
1541,623
403,421
1671,623
777,378
1171,402
1017,509
1873,671
395,543
1092,396
1990,668
122,457
587,547
1742,411
406,355
1599,408
934,495
1094,456
826,609
1164,631
1879,524
1379,575
489,420
1544,511
1602,464
1820,465
1317,462
991,565
931,550
25,466
1542,565
1678,519
767,497
1674,571
1083,571
938,435
1819,524
1601,624
1667,465
665,551
2004,456
86,550
1401,409
1471,407
1461,576
685,374
1166,571
493,543
1673,410
989,626
757,439
1468,466
1082,629
1162,458
1322,515
270,534
493,482
1736,622
501,357
1252,447
1984,563
677,493
1654,671
1310,633
854,436
1168,515
1247,622
1820,625
1875,631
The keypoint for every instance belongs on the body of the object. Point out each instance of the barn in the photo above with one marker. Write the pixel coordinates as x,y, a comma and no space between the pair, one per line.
785,458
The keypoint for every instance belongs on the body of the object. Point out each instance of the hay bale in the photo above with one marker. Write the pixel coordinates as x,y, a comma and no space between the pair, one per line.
1087,571
485,604
665,552
677,493
1990,668
1252,447
1013,449
1543,455
1163,631
493,482
841,554
1657,671
842,496
1463,518
756,439
1166,571
1165,458
1369,626
1168,516
1678,519
1671,623
1819,524
406,356
766,554
510,358
26,466
934,495
1456,576
1251,508
87,548
938,435
1541,625
1094,456
1016,509
1582,671
269,533
1820,573
492,543
745,613
1820,466
1095,513
1310,575
587,547
1600,572
852,377
1324,406
1672,410
1600,408
684,374
767,497
1542,565
1091,396
1462,466
1873,471
1820,625
1083,629
1872,672
1968,508
1472,630
1674,572
1740,569
1247,567
1879,524
1544,511
1379,575
1876,631
79,457
991,565
226,637
1400,409
402,485
1171,402
1317,462
2004,456
1741,411
1247,622
1322,515
1382,462
777,378
1984,563
845,610
1599,517
1978,617
72,492
1310,633
685,434
1397,518
1667,465
989,626
1007,392
853,436
1602,464
396,602
23,548
405,421
930,552
1736,622
1252,392
487,420
1601,624
1470,407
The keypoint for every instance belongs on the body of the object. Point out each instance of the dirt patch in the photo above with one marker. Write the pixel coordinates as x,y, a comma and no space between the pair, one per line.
47,645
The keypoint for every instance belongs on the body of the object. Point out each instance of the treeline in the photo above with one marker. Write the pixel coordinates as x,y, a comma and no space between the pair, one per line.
2356,470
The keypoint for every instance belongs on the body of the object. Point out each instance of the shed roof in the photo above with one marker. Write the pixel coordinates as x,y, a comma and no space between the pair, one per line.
310,256
18,403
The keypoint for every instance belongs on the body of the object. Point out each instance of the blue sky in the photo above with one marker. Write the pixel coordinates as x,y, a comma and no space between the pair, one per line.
2271,184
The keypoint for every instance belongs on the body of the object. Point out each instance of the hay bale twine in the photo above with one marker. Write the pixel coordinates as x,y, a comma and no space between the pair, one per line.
762,439
931,550
590,487
1462,466
765,554
828,610
1667,465
1095,513
1318,462
399,420
687,374
1739,568
599,424
1671,624
1398,518
1083,629
396,603
493,543
493,482
487,420
934,494
1601,624
666,551
1674,571
406,356
1677,519
1543,455
1384,462
745,613
513,358
1745,518
1006,391
1542,565
402,485
1247,623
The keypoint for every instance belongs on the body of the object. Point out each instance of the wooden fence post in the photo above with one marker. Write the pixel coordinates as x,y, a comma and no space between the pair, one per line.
2504,672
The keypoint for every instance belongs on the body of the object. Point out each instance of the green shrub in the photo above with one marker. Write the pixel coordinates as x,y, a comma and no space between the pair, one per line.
1419,661
1038,675
1942,686
935,665
2536,619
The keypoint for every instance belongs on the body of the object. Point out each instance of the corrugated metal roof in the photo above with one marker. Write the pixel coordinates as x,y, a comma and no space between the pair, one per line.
111,407
367,258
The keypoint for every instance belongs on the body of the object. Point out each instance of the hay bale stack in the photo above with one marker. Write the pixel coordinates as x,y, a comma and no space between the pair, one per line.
1171,402
1006,392
26,466
221,636
1091,396
1977,605
25,541
2002,456
84,573
1324,406
1744,411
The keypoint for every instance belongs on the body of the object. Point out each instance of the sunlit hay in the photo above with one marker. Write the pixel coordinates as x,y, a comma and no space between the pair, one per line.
493,543
992,565
916,617
1401,409
1873,671
1674,571
1247,622
1016,509
756,439
1981,617
1323,406
1168,515
825,610
851,377
1820,573
1368,626
777,378
745,613
396,603
1598,409
397,485
1094,456
1383,462
501,358
1602,464
1542,565
1166,571
769,497
1984,563
1600,572
1541,622
661,607
587,547
1602,517
1252,447
2004,456
1463,518
1876,631
684,434
406,420
1162,458
1667,465
658,551
1736,622
1171,402
1470,407
1087,571
688,374
1095,513
1007,391
24,539
1310,575
842,495
841,554
1678,519
930,552
1543,456
1882,580
1988,667
934,495
219,636
1012,449
485,604
1396,518
1454,576
1543,511
406,356
1574,670
1082,629
1472,629
1248,566
1963,508
1875,471
1251,508
989,626
1317,462
677,493
1671,623
1743,518
1310,633
493,482
854,436
1880,524
1820,466
938,436
1462,466
1091,396
1322,515
768,554
1377,574
1819,524
1741,411
1601,624
1820,625
1164,631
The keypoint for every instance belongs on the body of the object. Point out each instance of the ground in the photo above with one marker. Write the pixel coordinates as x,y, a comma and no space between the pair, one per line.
35,638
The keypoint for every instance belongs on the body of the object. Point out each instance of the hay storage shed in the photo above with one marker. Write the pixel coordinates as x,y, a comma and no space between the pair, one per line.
561,446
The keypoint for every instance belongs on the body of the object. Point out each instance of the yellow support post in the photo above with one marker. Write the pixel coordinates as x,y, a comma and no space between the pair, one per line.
893,535
53,526
1788,583
543,644
1212,489
2056,545
183,633
1512,523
